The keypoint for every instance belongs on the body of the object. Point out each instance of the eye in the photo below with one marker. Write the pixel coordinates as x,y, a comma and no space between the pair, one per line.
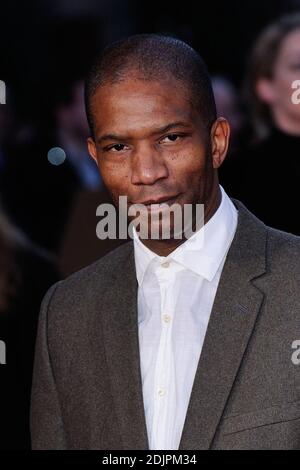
171,138
115,148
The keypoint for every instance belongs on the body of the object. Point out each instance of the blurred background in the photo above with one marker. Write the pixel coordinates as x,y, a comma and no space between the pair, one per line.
50,188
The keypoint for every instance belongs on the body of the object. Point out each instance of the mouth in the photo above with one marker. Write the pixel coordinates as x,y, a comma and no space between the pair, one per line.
159,205
161,201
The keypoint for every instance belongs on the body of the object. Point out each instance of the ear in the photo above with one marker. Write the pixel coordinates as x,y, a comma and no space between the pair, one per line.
265,90
220,133
92,149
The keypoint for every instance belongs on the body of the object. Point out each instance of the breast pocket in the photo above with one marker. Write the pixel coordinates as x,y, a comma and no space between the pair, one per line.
264,417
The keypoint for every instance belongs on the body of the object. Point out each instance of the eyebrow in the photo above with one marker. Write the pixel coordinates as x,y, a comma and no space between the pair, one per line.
160,130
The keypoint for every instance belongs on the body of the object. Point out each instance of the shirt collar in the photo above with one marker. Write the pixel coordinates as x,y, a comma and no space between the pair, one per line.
203,252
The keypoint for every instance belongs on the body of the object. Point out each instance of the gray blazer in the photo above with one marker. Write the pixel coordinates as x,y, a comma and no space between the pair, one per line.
87,390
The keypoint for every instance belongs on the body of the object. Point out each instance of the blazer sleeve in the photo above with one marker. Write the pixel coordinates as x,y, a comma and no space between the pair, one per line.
46,424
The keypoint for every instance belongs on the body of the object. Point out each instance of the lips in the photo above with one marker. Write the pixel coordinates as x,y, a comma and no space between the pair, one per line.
157,205
160,200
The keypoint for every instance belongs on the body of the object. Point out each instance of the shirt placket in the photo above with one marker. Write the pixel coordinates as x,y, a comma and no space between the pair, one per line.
164,377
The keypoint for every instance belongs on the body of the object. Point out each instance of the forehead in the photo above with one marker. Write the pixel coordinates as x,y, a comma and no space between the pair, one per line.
134,104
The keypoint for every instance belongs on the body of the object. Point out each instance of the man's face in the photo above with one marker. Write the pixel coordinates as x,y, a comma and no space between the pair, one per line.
150,144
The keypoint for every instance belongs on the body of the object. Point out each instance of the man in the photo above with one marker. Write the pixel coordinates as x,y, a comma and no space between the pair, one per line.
170,343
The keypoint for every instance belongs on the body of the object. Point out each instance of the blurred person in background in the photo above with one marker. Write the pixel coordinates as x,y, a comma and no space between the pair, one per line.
268,180
228,105
26,272
72,131
37,193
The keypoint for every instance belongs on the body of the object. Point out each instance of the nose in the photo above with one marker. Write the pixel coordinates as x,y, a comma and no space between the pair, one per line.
148,166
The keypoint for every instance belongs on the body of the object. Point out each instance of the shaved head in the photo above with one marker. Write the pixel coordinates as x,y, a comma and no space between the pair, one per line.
153,57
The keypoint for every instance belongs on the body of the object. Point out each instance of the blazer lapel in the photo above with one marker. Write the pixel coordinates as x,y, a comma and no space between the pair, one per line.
233,316
120,330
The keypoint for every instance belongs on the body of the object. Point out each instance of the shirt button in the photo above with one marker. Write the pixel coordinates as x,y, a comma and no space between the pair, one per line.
166,318
161,392
165,264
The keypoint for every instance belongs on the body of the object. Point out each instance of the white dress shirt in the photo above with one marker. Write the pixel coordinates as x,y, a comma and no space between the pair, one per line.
175,298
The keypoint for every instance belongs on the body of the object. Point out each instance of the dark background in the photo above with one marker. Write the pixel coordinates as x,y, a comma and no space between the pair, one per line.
44,44
45,47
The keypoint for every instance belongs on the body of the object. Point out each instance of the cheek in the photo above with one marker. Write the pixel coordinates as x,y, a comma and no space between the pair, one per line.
115,176
188,167
188,158
283,84
284,93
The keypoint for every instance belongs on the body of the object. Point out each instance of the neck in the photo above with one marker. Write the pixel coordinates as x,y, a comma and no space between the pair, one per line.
166,247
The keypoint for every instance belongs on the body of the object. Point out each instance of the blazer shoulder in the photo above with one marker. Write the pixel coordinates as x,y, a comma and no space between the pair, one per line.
80,289
283,265
102,267
284,246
